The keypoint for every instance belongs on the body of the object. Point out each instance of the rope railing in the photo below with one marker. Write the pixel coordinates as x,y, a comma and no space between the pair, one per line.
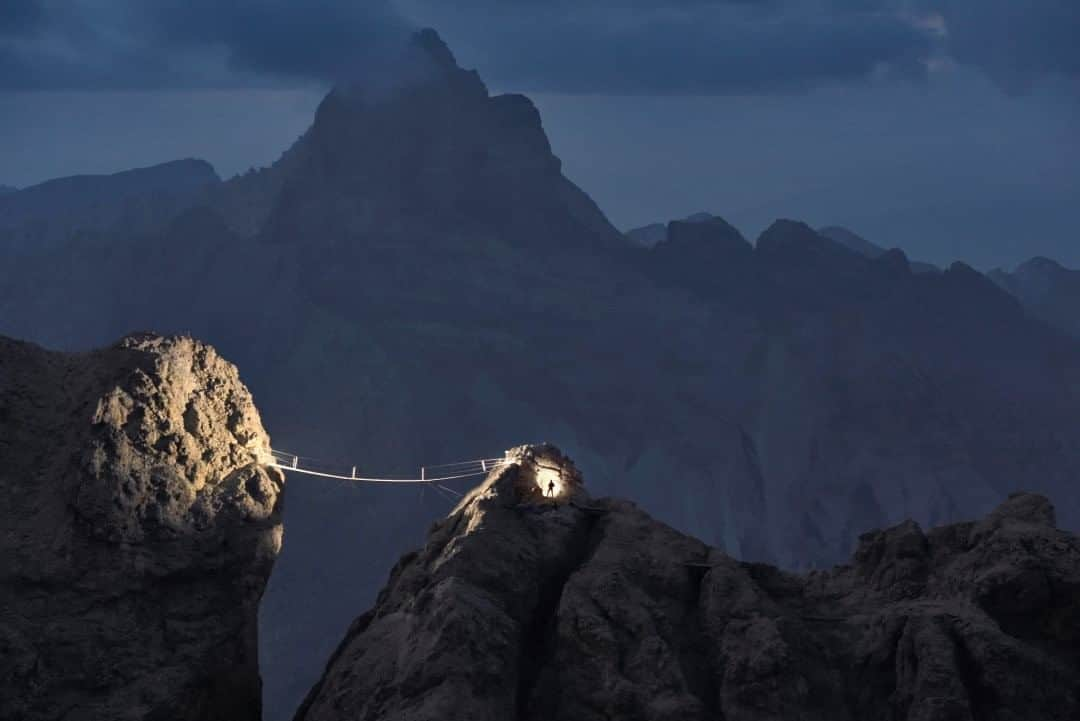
430,475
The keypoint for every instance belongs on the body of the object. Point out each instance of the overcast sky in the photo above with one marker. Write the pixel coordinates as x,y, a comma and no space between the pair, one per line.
947,127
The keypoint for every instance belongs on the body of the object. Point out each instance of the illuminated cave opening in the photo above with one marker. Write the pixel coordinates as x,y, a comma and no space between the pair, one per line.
549,481
543,474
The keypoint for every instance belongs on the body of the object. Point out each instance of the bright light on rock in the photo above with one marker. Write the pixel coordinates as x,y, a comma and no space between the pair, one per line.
550,481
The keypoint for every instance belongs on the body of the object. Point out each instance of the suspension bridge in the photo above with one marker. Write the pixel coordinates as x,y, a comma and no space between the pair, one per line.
433,476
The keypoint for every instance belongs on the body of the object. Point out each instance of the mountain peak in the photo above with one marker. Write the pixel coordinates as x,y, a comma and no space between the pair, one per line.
435,47
422,62
571,609
650,235
532,476
785,237
706,233
420,151
1040,264
852,241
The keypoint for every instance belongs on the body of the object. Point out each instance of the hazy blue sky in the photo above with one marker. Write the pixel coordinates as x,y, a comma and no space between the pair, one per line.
948,127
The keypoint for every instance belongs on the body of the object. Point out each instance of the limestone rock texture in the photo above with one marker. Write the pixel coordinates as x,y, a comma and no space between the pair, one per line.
138,528
524,607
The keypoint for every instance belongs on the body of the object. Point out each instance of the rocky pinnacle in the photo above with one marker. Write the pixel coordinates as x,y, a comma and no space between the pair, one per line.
138,528
526,607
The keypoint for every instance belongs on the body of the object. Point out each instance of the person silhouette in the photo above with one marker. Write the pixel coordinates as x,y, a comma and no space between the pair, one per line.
551,488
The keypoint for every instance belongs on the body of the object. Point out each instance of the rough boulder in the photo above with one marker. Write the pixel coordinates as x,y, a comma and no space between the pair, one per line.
138,528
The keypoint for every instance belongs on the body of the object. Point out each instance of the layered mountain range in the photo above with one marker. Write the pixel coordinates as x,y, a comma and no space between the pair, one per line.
416,281
141,520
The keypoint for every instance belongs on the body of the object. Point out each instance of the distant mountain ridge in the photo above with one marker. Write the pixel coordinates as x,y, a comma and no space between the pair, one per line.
649,235
129,202
1048,289
416,281
862,246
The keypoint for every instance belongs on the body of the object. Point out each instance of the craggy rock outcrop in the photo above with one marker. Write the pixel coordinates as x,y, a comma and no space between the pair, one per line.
523,608
137,532
441,289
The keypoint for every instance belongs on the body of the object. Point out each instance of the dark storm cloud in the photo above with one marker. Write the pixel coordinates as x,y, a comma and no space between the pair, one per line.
1016,42
758,45
602,46
105,44
309,39
19,16
698,48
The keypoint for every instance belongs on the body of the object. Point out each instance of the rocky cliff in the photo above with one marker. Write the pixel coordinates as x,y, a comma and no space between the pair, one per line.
137,532
427,158
417,282
524,607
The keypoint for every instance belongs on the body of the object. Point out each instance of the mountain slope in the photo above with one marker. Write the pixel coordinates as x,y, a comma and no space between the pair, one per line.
1050,291
131,202
436,158
520,607
862,246
649,235
416,282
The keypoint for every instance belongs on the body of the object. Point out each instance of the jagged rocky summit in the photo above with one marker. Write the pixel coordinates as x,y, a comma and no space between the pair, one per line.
524,607
427,260
138,528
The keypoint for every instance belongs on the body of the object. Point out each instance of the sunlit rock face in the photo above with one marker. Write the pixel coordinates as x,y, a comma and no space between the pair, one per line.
415,281
137,531
583,609
545,474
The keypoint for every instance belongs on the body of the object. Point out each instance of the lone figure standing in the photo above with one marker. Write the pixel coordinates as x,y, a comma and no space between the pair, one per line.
551,489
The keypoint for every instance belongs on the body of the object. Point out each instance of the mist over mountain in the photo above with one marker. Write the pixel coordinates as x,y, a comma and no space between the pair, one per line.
7,189
416,281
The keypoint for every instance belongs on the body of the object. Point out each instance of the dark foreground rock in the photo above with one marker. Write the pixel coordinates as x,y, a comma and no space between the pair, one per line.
520,608
137,532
